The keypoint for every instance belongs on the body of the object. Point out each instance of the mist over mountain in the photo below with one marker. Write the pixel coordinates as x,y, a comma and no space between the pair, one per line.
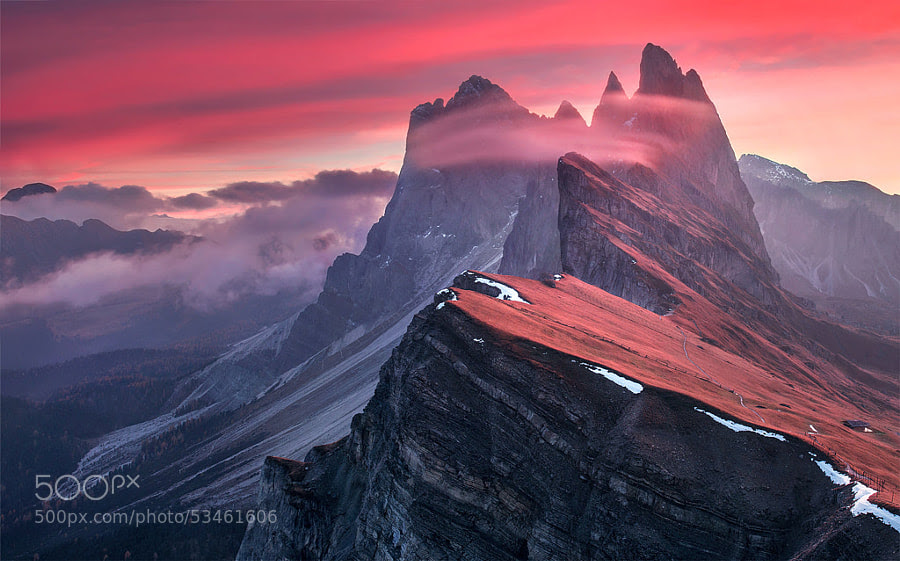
29,190
71,290
636,384
421,475
39,247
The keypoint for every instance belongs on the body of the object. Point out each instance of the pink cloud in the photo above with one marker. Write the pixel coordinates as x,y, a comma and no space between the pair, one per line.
96,89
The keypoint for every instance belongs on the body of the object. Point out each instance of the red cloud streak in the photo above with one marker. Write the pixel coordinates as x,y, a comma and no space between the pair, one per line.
178,95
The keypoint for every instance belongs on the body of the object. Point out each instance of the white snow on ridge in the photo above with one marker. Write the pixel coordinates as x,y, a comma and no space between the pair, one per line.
861,494
861,505
445,292
629,385
834,475
506,292
737,427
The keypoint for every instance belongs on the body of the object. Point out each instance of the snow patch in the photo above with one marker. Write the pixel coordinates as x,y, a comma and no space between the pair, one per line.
479,340
629,385
448,295
861,494
506,292
861,505
737,427
834,475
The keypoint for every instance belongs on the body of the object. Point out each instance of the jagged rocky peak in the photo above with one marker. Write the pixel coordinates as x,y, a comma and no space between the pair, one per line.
660,74
613,108
425,111
453,206
613,89
476,99
567,112
479,90
693,87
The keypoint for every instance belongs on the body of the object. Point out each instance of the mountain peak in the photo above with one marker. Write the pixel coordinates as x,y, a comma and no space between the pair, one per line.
28,190
771,171
693,87
613,106
660,75
477,89
567,112
613,87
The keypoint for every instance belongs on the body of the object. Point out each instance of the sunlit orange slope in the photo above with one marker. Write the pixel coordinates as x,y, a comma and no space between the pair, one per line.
668,352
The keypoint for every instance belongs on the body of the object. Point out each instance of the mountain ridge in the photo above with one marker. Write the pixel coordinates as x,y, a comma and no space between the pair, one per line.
706,320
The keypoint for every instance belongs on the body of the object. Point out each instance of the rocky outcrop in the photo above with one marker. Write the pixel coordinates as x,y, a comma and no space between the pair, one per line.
445,215
438,216
567,112
671,143
692,150
532,248
478,446
619,237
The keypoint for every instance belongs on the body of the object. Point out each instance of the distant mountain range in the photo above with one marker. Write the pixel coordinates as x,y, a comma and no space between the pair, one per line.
34,248
833,242
150,316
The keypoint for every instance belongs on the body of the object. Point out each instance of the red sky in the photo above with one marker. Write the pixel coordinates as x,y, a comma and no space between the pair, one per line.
189,96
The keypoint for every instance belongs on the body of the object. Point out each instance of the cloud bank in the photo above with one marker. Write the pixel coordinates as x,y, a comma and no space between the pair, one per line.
283,237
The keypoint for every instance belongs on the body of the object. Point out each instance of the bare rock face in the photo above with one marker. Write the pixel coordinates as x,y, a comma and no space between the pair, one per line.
693,151
440,212
476,447
611,232
450,210
834,243
678,151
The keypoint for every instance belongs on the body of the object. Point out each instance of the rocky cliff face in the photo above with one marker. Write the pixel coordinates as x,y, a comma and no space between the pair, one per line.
445,215
666,140
298,383
834,243
618,237
478,445
555,420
